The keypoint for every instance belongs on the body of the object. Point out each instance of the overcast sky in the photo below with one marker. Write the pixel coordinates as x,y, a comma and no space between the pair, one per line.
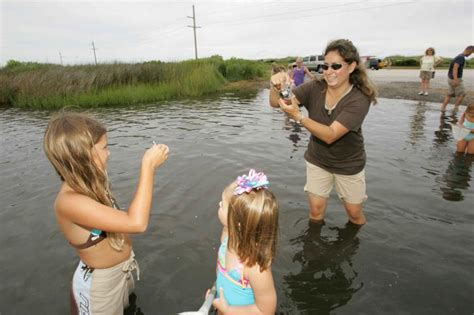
135,31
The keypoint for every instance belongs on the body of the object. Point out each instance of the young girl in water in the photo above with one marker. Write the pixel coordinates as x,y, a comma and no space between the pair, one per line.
466,145
249,215
88,216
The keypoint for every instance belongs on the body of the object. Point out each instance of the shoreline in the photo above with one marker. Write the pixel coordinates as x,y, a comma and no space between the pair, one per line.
386,89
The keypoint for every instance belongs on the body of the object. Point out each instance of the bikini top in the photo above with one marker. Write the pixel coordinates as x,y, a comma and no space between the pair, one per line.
468,124
96,236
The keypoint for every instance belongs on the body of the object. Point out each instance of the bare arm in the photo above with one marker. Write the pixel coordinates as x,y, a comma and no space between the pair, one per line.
85,211
312,76
455,71
265,295
328,134
277,82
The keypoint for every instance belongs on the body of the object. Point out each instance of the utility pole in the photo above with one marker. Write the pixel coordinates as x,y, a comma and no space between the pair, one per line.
94,49
194,27
61,58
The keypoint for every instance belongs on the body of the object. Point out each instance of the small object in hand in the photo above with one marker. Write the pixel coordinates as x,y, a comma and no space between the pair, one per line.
286,95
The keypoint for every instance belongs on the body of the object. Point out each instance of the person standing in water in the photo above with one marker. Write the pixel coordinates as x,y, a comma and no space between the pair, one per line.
337,106
299,72
88,215
249,216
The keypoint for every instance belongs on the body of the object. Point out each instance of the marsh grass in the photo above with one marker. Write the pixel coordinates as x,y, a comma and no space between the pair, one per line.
31,85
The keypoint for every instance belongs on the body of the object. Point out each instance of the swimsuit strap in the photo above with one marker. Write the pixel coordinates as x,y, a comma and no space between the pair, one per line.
221,264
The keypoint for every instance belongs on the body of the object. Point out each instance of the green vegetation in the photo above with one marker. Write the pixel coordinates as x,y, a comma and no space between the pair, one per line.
414,61
34,85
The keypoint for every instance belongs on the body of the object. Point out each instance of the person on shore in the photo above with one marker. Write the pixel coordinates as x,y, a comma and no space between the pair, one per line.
249,215
299,72
466,145
427,69
88,215
337,106
455,83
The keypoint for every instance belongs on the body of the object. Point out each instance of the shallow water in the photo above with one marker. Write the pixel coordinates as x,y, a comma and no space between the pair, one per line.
415,255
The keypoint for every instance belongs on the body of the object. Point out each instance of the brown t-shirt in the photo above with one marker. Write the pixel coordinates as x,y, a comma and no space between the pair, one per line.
346,156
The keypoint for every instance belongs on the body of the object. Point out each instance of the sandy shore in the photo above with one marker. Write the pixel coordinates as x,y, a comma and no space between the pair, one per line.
405,84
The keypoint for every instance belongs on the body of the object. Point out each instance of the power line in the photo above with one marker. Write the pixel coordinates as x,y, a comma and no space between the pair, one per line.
286,13
322,14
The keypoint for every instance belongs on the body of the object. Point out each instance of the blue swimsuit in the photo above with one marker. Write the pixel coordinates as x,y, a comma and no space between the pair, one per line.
469,125
237,290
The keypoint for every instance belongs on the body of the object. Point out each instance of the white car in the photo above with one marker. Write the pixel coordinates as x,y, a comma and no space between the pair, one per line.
314,62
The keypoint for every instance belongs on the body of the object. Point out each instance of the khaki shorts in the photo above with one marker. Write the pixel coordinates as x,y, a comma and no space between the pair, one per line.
426,75
456,90
103,291
350,188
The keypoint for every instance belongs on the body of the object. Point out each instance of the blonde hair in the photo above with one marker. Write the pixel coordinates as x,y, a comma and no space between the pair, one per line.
358,77
69,145
470,108
252,223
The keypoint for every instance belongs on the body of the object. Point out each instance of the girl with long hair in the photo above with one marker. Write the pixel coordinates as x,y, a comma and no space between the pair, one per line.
249,215
88,215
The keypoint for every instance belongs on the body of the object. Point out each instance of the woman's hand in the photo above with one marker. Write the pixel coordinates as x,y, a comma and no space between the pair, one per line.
156,155
221,303
292,110
280,80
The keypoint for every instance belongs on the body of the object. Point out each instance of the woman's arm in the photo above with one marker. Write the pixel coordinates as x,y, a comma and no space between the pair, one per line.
85,211
328,134
265,295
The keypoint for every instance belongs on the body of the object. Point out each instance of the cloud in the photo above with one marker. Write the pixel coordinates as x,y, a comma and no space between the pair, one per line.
150,30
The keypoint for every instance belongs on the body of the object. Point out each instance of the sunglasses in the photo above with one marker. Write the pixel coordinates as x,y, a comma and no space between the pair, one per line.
334,66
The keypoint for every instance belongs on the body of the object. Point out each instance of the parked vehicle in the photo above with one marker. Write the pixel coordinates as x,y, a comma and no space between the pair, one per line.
314,62
375,64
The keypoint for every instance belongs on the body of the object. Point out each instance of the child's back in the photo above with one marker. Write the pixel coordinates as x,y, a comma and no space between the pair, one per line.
249,214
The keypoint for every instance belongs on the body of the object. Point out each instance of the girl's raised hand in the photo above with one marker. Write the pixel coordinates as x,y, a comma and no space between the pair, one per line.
156,155
221,303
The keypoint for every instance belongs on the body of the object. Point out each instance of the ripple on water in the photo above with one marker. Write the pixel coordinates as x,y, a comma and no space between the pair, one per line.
413,255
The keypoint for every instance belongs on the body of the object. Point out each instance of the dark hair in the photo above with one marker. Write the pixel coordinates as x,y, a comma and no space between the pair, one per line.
358,77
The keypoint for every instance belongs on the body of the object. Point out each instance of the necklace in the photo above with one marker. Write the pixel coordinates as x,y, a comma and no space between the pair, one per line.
332,108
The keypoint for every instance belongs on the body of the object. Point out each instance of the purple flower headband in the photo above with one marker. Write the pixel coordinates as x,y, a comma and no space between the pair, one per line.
254,180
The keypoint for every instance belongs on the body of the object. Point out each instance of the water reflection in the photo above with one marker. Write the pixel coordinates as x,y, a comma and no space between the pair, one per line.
457,176
133,309
444,134
417,123
295,130
326,278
